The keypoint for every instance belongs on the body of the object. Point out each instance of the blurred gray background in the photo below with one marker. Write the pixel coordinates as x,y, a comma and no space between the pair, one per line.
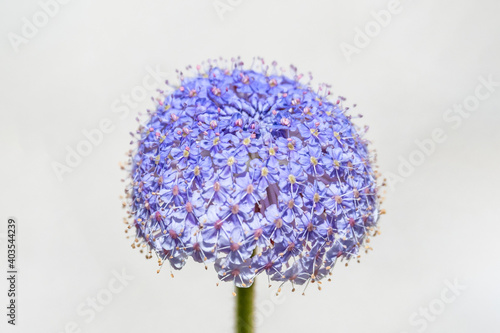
435,266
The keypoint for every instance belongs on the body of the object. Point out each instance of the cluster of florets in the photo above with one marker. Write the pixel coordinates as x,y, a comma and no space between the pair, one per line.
252,170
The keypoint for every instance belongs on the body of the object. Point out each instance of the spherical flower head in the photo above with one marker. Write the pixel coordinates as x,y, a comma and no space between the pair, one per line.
254,170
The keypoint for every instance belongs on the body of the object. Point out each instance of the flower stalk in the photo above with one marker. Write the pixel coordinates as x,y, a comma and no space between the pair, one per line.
244,309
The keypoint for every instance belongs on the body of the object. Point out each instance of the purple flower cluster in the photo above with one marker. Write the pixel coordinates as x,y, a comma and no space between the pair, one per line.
255,171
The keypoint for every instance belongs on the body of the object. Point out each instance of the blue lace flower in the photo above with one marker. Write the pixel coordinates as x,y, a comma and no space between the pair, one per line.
253,169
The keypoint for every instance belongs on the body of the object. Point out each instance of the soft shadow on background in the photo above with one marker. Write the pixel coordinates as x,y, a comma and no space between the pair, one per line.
87,67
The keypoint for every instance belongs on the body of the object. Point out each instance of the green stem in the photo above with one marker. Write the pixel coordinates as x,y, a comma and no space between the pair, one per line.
244,309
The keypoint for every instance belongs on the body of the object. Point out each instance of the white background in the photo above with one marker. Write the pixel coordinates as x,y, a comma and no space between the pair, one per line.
442,221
